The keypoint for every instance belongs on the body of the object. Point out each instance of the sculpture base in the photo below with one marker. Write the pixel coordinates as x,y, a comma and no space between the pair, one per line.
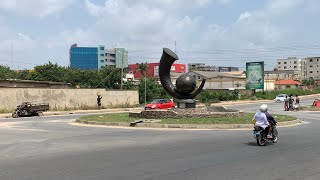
185,103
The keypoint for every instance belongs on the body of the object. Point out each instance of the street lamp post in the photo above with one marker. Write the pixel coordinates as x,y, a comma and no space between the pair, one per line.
145,90
121,84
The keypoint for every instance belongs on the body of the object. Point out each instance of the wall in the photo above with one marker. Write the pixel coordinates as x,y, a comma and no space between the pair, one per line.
269,85
280,87
67,99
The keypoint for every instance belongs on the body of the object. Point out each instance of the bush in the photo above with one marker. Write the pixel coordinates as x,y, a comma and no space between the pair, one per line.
210,96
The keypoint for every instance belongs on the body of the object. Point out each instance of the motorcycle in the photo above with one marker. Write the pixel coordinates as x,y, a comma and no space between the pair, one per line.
261,135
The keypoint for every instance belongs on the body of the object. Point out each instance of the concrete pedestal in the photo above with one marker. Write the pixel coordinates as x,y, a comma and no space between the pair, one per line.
185,103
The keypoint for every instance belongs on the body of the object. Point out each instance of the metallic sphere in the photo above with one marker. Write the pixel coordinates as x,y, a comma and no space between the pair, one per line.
186,84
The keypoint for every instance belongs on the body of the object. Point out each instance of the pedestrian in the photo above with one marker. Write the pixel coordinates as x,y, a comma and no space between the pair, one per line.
286,103
291,100
99,101
297,100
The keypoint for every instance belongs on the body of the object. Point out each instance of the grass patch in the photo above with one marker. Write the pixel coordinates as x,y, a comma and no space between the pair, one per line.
124,117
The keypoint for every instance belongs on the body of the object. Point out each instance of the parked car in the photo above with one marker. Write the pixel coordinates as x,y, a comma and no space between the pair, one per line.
160,104
280,98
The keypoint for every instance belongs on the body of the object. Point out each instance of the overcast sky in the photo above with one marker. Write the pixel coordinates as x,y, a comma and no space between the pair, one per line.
216,32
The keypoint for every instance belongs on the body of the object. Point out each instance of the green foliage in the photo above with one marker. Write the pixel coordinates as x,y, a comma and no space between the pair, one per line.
210,96
153,88
308,82
6,73
142,68
124,117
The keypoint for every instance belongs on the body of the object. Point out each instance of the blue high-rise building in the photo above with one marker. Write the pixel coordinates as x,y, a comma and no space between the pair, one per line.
97,57
87,57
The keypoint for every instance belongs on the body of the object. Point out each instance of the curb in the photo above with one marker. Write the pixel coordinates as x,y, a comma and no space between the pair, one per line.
187,126
57,113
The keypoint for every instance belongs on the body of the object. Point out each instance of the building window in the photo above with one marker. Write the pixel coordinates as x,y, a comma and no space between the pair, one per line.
311,72
102,48
310,60
102,60
295,62
279,67
311,66
285,63
279,62
107,54
285,67
112,60
101,54
294,66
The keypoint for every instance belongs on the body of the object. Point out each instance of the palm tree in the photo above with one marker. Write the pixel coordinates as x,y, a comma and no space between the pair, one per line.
142,68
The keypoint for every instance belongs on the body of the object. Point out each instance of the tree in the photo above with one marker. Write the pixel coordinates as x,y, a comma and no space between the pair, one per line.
142,68
49,72
110,77
6,73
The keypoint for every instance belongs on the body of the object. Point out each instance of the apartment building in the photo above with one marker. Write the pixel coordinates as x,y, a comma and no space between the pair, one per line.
313,67
295,64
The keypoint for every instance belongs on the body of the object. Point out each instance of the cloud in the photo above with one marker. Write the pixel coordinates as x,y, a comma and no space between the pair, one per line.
34,7
24,37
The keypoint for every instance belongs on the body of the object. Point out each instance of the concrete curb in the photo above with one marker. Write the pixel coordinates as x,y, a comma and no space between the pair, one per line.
187,126
56,113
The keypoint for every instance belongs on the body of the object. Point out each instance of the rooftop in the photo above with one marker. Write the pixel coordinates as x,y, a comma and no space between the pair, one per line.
287,82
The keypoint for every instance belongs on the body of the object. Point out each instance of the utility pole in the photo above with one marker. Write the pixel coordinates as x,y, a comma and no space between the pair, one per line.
122,70
145,88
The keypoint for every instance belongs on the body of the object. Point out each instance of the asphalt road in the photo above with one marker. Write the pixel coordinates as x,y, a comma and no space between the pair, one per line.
54,148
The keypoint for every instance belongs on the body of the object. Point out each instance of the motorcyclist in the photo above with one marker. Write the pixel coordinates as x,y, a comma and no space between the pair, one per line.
270,119
261,119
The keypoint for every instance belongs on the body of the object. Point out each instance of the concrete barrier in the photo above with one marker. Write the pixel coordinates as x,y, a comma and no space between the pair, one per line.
67,99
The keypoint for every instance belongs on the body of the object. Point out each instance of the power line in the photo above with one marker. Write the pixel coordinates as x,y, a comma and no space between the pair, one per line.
243,50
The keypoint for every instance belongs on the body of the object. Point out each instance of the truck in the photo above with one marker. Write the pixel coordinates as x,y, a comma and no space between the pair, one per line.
29,109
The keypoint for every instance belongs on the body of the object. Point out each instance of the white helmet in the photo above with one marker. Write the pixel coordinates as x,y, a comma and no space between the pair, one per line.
263,108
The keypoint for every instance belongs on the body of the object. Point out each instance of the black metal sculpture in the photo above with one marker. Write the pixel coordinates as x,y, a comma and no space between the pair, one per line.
185,84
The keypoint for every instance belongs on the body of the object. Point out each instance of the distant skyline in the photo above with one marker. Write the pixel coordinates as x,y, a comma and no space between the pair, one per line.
214,32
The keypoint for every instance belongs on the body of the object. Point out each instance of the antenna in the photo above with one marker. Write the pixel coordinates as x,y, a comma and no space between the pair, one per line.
175,46
11,57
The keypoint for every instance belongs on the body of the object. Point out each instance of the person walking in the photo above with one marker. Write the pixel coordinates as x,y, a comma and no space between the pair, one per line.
297,100
291,100
286,103
99,101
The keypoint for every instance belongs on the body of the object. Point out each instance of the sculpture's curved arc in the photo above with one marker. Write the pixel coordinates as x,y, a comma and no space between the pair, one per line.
167,59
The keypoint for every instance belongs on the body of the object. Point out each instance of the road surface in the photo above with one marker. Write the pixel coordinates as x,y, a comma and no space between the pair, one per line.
53,148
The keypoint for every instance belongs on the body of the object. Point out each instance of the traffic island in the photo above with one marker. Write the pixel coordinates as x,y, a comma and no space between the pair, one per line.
240,122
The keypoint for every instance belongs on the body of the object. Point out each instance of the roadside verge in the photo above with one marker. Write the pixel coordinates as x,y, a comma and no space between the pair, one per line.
186,126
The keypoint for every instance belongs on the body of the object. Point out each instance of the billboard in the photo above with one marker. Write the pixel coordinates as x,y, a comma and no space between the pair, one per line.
255,75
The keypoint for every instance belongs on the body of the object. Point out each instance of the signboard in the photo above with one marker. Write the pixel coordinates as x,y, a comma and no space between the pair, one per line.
255,75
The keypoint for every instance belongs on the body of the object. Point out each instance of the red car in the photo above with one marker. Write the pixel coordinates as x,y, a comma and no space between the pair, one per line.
160,104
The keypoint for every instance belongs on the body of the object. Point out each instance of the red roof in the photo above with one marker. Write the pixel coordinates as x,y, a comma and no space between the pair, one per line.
287,82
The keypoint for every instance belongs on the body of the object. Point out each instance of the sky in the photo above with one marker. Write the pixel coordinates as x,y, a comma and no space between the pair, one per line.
215,32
